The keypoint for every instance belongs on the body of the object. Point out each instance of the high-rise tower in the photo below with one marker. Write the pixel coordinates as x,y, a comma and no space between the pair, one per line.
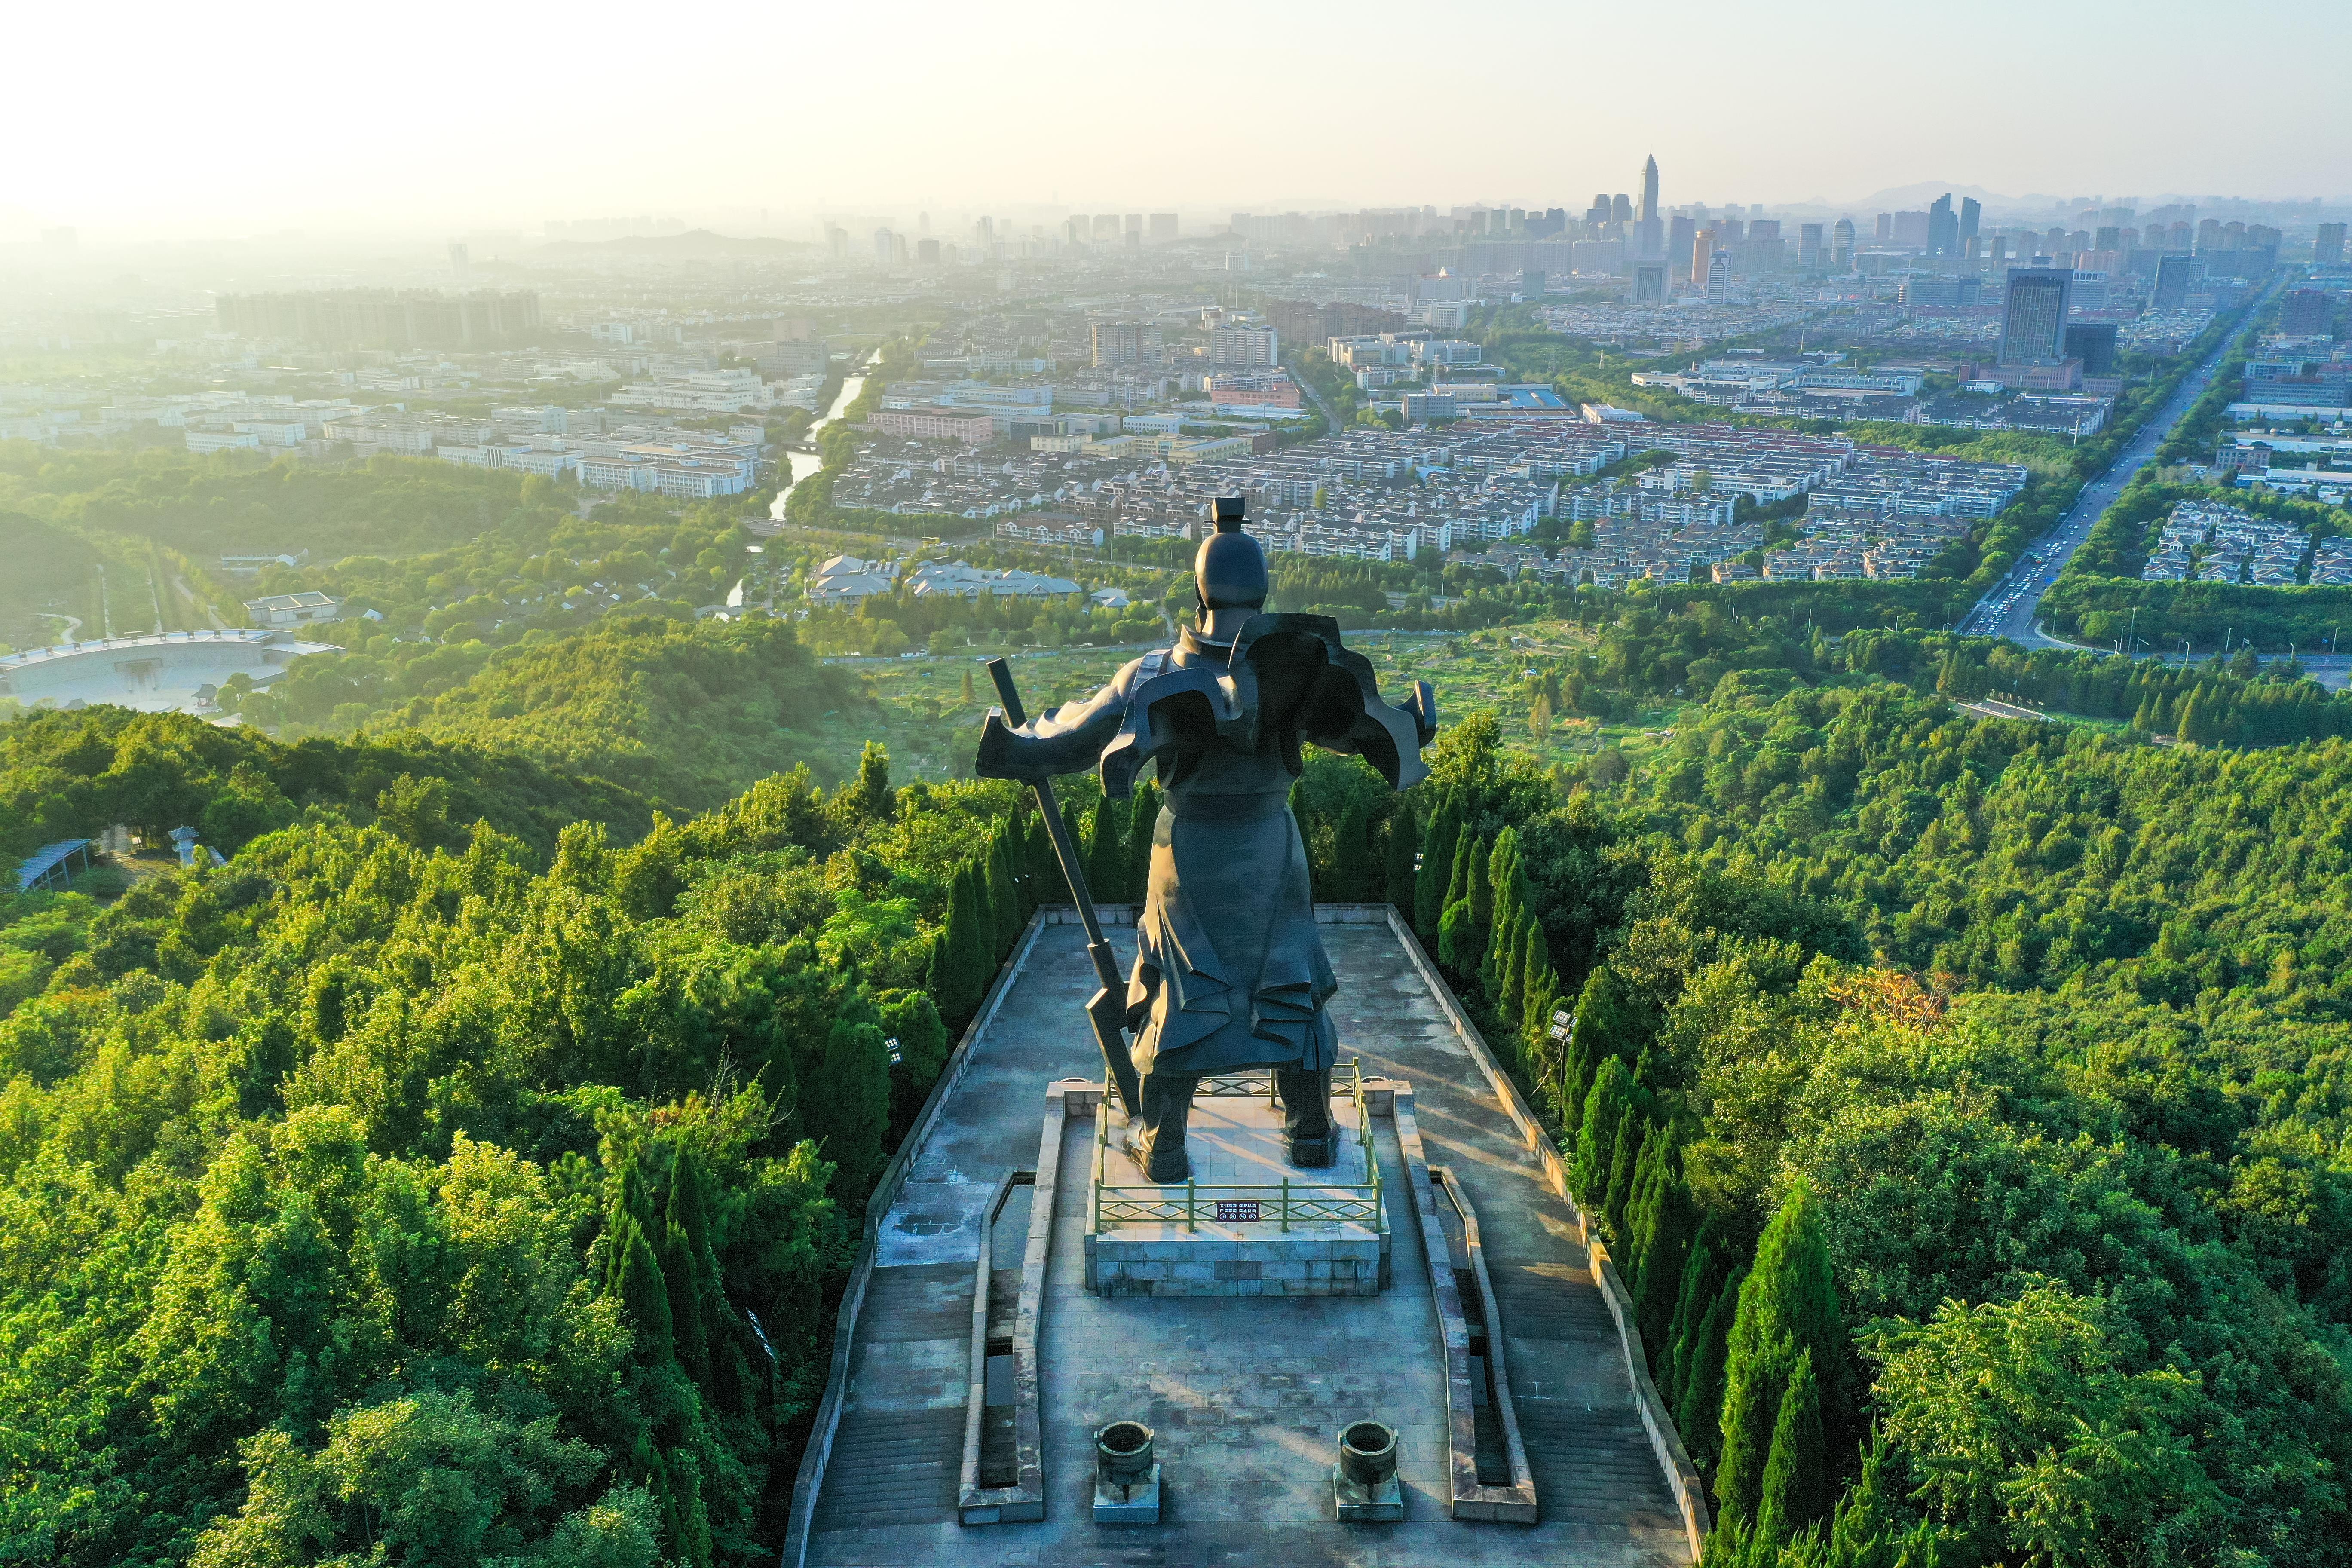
2033,314
1649,232
1943,227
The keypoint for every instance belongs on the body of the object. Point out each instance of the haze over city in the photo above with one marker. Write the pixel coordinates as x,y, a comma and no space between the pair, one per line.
444,113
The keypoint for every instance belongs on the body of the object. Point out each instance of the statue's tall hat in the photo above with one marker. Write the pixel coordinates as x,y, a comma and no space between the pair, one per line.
1229,570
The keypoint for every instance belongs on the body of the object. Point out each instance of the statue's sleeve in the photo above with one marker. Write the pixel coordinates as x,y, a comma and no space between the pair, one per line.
1310,682
1068,740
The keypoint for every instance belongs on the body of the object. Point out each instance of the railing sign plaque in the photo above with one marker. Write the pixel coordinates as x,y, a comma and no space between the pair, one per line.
1237,1208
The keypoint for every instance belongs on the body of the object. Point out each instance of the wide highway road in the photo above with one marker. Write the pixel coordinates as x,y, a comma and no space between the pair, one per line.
2012,607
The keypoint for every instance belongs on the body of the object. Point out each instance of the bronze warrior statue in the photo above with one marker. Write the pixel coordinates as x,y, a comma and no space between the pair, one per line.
1229,970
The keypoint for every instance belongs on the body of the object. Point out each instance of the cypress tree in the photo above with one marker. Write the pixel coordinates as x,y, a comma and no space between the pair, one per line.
1702,1278
1649,1161
1106,855
2193,727
683,1252
636,1278
687,1518
1454,936
913,1018
1047,885
1403,842
1863,1531
1490,976
1431,884
1510,970
1507,944
1631,1132
1500,862
683,1282
1462,936
1457,879
1663,1239
1482,896
1697,1417
636,1196
1016,859
979,956
1601,1031
673,1521
1539,999
1143,821
1536,1004
1536,966
1004,896
938,967
1794,1481
1606,1111
1071,825
689,1203
850,1109
1353,865
958,962
1787,1308
1576,1075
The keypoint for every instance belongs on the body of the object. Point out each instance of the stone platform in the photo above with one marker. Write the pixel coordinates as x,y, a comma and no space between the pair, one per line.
1247,1394
1247,1222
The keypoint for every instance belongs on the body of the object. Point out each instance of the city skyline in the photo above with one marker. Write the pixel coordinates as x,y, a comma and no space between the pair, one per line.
835,113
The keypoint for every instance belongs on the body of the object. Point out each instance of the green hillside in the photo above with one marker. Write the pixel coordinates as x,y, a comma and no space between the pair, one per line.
689,714
1966,1102
52,576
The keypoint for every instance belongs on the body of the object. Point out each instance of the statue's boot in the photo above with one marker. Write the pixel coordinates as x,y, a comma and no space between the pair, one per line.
1167,1102
1307,1136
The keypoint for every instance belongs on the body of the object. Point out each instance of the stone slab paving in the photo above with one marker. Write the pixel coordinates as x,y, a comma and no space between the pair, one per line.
1248,1394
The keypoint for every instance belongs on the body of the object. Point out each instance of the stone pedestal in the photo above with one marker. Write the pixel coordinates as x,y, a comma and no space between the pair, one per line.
1138,1503
1379,1503
1248,1223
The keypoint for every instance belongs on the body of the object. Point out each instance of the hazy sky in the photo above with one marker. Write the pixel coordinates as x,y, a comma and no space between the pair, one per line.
152,118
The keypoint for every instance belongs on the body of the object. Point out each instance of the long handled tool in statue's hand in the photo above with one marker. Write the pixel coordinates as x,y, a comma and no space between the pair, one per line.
1107,1008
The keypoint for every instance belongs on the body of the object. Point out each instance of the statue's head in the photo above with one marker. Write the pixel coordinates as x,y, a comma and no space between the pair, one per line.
1229,574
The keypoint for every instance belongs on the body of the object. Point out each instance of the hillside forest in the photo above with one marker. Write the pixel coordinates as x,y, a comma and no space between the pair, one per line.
1964,1098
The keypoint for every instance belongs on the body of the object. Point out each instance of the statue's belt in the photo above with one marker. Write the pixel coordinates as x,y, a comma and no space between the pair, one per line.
1190,808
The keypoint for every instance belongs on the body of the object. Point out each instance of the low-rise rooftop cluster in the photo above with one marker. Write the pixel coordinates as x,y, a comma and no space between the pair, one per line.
846,579
2215,543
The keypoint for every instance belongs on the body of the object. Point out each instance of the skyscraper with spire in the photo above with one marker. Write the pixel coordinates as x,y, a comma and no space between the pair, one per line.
1649,233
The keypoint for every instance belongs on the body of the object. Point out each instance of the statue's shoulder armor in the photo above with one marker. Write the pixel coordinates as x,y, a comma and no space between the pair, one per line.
1150,665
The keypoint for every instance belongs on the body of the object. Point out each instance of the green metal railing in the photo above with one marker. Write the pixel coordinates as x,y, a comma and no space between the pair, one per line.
1281,1205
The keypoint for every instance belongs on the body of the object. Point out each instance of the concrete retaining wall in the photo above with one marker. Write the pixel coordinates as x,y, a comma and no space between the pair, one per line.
1665,1443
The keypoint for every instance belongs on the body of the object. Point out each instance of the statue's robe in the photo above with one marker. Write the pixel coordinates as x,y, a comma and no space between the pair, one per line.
1230,971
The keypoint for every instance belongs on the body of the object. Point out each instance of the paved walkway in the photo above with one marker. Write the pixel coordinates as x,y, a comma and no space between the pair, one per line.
1247,1394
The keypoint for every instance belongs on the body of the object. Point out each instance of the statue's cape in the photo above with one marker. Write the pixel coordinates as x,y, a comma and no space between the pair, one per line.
1289,677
